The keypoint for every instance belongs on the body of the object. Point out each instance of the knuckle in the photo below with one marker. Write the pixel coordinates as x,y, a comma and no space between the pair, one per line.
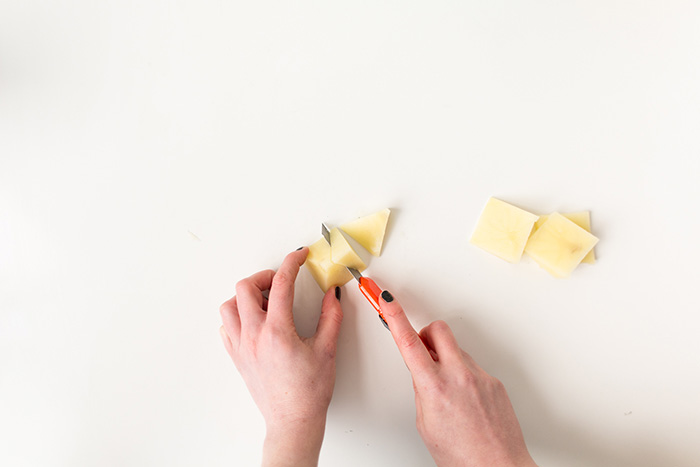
336,315
331,305
276,337
269,272
496,384
466,378
409,340
439,388
243,285
392,311
275,334
329,351
437,393
438,328
225,308
281,280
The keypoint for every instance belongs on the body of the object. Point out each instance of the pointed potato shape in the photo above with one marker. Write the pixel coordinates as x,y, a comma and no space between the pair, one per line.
559,245
503,230
326,273
342,253
369,231
582,219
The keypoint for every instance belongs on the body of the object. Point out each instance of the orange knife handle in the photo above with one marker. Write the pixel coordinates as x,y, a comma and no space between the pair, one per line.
372,291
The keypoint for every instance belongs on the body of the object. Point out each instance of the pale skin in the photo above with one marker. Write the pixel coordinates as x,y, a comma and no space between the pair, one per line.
462,413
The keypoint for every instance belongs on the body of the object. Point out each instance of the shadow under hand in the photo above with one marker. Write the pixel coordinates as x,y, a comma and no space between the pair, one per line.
557,439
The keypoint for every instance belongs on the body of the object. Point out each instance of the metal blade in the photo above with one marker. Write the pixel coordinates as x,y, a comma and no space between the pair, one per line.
326,233
355,273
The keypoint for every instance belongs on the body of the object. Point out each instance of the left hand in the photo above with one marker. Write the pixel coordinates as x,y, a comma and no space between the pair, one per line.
290,378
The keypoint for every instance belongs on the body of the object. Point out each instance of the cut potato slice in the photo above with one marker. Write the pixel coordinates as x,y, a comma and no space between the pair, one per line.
326,273
582,219
503,230
342,253
369,231
559,245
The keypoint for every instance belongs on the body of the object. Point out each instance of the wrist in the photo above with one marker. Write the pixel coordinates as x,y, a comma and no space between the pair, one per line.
293,443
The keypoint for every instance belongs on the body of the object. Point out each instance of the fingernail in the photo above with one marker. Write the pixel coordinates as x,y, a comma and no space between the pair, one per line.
337,293
387,296
299,248
381,318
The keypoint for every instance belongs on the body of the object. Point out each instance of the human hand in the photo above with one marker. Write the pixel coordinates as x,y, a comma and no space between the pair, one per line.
290,378
462,413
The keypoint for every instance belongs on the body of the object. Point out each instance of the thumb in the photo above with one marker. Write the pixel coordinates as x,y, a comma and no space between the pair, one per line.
331,318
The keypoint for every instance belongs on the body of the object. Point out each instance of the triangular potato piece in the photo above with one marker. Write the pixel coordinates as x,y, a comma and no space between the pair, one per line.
342,253
369,231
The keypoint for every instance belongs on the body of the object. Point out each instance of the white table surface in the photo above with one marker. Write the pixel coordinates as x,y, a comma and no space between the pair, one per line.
154,153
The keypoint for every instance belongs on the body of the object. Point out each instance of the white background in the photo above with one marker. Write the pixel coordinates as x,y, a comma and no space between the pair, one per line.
153,153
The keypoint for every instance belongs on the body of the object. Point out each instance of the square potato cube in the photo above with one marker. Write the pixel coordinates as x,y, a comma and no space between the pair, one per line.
559,245
582,219
503,230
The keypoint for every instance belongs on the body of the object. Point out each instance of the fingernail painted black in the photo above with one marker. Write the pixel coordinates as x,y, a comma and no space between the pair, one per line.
384,322
300,248
337,293
387,296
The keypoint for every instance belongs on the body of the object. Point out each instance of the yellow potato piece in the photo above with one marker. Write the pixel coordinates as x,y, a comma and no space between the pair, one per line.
326,273
369,230
342,253
559,245
503,230
582,219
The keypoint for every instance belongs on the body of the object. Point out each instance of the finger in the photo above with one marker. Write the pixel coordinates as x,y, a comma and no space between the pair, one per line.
227,341
231,320
250,297
432,353
413,351
439,337
427,345
279,308
331,318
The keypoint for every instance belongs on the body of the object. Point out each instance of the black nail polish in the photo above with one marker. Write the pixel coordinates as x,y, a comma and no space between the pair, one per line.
299,248
337,293
387,296
383,322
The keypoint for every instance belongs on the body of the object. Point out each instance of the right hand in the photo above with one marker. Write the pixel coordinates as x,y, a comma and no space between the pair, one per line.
463,414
